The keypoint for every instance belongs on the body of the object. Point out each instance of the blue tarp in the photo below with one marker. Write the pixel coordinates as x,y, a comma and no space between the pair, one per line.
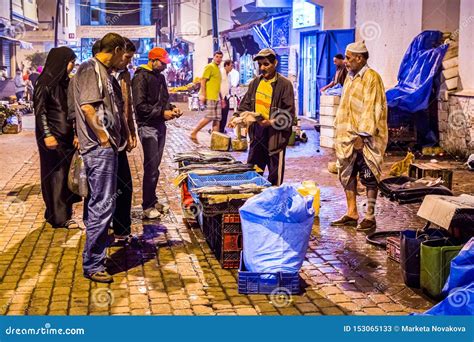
459,287
419,67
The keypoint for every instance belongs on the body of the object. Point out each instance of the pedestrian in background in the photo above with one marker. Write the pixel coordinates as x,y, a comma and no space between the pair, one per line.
209,95
226,85
55,136
19,85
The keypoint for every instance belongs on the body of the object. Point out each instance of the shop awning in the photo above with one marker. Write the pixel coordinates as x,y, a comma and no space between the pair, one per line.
23,45
251,37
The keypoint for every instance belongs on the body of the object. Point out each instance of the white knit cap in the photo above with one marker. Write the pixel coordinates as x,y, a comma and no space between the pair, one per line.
357,47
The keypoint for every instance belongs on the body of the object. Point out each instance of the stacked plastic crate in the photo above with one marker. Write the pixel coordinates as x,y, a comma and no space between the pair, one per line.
327,115
221,224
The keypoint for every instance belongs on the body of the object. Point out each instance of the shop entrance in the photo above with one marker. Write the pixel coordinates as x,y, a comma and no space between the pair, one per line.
317,49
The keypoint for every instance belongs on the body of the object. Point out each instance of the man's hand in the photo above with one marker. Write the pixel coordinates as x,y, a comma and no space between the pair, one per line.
223,103
105,144
51,143
75,142
358,143
177,112
168,115
266,123
202,99
131,142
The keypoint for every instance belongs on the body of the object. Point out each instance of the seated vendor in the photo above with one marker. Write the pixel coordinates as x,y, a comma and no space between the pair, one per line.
341,73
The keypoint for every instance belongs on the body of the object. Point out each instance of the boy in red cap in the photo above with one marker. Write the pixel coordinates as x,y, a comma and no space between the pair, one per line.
152,109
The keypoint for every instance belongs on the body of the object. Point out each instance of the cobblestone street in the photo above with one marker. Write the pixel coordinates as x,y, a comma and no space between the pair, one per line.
173,271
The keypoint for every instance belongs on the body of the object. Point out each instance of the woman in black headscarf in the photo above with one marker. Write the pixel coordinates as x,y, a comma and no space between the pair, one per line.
55,136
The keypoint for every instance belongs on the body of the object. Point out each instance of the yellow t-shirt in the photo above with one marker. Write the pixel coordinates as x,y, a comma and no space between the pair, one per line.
213,84
263,97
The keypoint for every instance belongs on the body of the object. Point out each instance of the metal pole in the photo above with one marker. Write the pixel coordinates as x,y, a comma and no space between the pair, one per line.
215,31
169,21
56,21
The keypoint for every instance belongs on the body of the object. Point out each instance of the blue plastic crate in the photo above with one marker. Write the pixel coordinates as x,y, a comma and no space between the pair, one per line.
266,283
232,179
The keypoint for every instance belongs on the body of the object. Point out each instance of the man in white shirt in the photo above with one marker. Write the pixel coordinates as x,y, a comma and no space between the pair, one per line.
226,85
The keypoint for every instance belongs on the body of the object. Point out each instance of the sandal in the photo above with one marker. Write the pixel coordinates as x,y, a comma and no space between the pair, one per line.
71,224
100,277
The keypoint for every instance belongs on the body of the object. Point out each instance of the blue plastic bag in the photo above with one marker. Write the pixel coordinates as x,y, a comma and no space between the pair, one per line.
276,226
462,268
459,302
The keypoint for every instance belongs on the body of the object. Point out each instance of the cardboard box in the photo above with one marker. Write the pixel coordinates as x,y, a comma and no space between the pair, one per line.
329,132
450,63
440,210
450,73
328,110
326,120
326,142
329,100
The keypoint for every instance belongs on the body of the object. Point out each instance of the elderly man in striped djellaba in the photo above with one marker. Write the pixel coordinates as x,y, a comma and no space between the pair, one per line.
361,135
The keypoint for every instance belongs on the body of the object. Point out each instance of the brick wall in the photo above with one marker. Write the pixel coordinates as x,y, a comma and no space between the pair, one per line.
456,124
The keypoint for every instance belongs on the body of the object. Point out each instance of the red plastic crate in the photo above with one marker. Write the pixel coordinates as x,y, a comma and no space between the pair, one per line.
393,248
224,236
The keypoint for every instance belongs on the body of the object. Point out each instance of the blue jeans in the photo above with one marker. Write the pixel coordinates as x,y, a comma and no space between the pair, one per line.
153,143
101,168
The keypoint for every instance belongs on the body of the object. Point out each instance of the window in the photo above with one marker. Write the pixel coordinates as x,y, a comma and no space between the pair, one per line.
95,16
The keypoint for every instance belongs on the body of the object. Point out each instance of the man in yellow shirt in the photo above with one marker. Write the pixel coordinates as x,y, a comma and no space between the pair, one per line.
361,135
210,95
271,95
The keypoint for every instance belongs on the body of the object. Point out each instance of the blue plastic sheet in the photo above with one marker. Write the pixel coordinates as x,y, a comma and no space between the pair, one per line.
276,226
459,287
334,91
419,67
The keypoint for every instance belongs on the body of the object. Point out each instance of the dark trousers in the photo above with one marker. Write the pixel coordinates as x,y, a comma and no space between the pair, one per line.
224,114
260,156
54,167
153,143
123,205
101,169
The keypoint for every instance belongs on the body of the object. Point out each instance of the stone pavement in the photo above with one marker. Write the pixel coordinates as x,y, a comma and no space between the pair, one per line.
172,271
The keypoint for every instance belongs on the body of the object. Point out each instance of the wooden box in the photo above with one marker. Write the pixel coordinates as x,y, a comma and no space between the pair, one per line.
432,170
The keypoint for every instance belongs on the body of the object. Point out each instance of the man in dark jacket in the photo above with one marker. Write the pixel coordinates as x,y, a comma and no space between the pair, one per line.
152,109
271,96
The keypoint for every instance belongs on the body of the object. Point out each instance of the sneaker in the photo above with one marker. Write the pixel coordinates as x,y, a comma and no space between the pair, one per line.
100,277
163,208
151,213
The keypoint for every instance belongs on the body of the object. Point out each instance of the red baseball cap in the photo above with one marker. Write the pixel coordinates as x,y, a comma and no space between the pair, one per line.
160,54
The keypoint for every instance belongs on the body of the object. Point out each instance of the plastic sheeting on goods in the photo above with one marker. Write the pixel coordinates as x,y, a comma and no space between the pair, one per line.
419,67
276,226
